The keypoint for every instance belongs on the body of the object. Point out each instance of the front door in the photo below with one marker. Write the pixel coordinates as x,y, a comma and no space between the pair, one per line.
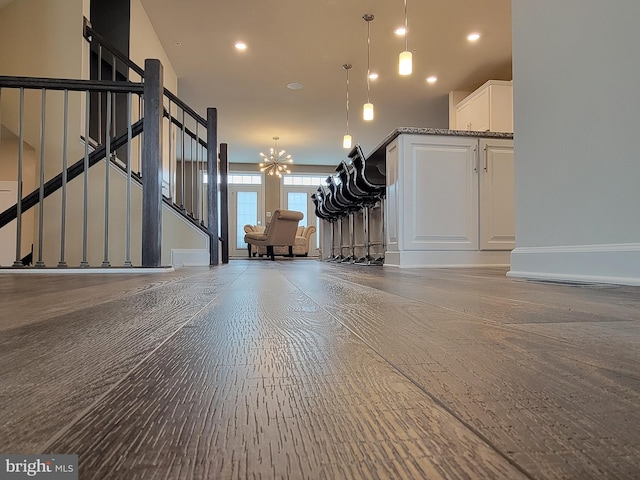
245,207
298,197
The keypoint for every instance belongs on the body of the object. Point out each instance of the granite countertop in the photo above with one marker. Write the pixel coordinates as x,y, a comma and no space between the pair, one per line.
446,131
434,131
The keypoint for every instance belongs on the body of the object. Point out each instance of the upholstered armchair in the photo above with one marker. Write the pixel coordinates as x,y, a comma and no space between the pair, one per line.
300,245
253,229
281,231
303,239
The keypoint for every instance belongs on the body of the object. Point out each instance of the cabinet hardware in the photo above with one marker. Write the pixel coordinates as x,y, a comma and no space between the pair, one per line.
475,158
486,159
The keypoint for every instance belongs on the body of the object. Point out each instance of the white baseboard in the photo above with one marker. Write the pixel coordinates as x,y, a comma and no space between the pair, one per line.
182,257
446,259
611,263
84,271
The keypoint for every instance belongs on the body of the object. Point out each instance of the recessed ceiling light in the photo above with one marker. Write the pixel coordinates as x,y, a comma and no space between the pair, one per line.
294,86
241,45
432,79
473,37
373,76
400,31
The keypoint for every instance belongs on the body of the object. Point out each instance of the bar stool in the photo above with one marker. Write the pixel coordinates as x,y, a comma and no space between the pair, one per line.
337,212
367,181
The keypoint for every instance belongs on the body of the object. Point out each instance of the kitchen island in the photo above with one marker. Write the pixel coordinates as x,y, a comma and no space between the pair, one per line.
449,197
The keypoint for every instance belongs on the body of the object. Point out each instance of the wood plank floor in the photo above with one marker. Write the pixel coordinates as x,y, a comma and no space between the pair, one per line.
304,369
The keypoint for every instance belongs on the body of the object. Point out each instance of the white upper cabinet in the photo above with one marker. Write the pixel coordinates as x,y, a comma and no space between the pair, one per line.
488,109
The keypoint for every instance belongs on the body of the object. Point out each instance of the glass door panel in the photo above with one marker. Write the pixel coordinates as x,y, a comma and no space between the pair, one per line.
298,201
245,207
246,213
298,197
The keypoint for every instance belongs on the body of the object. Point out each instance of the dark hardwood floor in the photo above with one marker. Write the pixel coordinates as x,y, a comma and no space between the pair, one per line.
308,370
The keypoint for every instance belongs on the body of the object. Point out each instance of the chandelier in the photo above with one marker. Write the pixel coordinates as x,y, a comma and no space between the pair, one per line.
276,162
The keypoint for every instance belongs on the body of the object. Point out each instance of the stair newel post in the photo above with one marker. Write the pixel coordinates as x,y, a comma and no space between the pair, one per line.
224,201
152,165
212,184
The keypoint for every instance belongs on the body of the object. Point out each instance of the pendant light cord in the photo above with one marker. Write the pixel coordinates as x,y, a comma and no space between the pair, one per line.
368,59
368,19
406,28
347,67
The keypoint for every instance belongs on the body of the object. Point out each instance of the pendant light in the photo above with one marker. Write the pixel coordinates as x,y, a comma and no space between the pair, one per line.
367,111
405,61
346,140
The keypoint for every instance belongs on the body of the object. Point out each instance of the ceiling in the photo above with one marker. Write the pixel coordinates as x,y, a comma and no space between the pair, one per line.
308,42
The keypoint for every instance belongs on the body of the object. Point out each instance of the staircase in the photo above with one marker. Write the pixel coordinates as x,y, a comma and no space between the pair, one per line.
109,173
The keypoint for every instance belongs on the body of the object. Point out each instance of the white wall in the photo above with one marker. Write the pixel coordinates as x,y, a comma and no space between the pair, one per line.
144,43
43,38
576,109
40,38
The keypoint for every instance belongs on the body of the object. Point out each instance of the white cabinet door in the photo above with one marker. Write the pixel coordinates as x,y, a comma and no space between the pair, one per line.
463,117
440,193
501,108
479,112
393,206
497,195
473,113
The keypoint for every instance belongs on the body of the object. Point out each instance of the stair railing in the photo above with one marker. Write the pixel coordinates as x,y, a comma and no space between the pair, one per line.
190,168
18,95
185,154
